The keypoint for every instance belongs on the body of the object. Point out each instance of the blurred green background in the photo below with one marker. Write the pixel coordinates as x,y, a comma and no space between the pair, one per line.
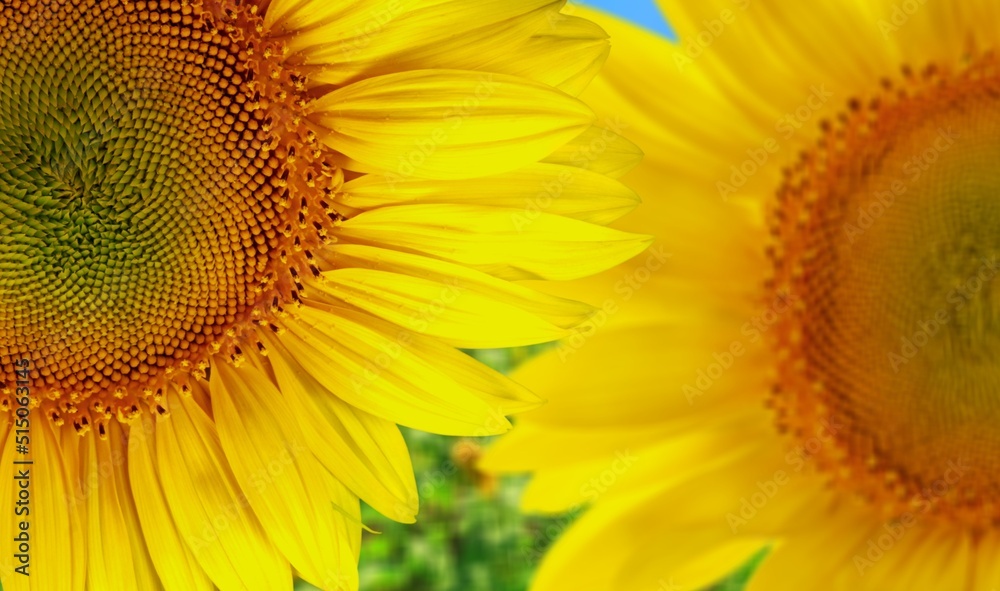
469,535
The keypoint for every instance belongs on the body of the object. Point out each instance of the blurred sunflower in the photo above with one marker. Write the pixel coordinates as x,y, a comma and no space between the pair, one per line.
806,360
240,242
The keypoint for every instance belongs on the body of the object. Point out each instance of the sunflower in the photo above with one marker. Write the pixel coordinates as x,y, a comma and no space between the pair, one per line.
240,243
804,363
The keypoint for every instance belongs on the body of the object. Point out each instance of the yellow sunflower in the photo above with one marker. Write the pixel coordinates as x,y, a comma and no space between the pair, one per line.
240,243
805,361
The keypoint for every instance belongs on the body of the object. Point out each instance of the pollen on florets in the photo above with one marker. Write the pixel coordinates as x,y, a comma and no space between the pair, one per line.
886,234
159,191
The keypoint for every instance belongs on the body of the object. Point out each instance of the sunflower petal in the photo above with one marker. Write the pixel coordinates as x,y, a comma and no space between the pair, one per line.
835,536
508,244
208,507
771,52
145,574
386,370
448,124
116,552
57,558
566,55
551,188
268,457
610,536
364,452
599,149
175,565
987,572
348,502
448,311
563,313
379,37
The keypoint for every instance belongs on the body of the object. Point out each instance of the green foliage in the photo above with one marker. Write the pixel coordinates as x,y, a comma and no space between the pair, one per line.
738,580
470,535
466,539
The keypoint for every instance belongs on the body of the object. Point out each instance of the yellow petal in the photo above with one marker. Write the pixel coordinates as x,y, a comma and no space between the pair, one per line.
560,489
374,29
686,158
563,313
663,381
56,557
636,458
364,452
447,310
174,563
600,149
386,36
834,543
145,571
509,244
447,124
557,189
274,468
210,510
919,560
753,54
386,370
986,568
974,23
567,54
348,502
622,545
8,490
116,551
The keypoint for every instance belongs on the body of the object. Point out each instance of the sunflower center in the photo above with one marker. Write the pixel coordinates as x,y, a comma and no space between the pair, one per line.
145,155
887,236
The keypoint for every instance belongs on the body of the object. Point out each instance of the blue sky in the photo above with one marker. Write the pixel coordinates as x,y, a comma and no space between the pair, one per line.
643,12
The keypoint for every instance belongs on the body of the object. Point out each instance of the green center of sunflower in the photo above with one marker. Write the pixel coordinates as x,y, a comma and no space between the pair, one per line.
155,184
888,235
